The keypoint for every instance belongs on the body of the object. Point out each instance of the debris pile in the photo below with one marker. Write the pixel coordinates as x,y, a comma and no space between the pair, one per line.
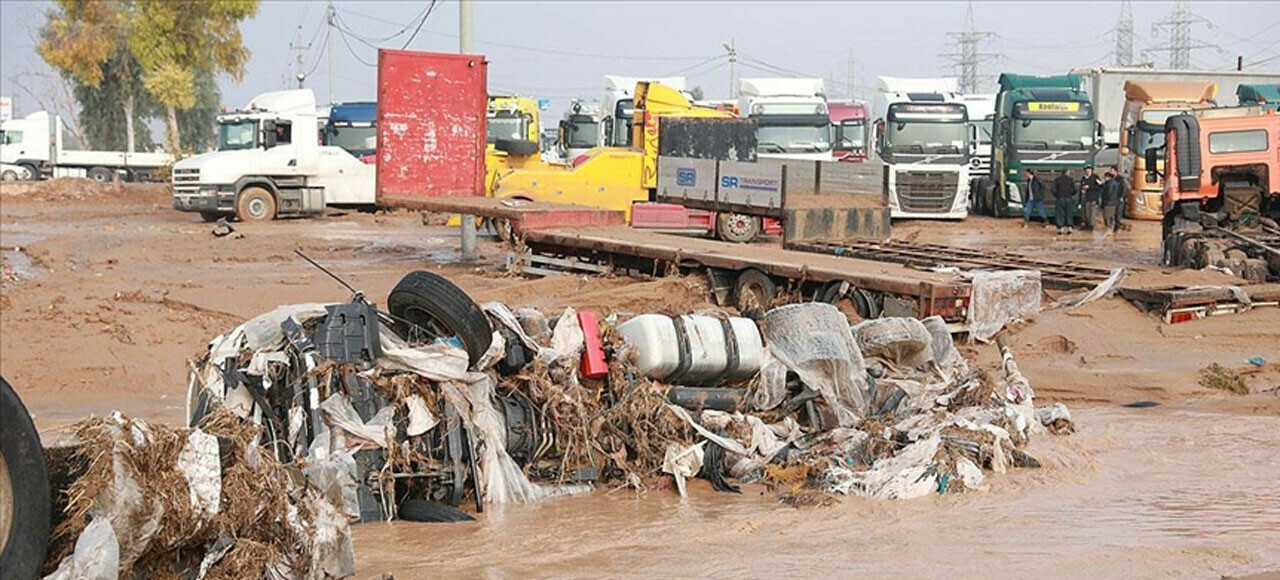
471,405
149,501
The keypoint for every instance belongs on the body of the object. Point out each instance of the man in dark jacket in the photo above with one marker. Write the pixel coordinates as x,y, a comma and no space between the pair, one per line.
1090,191
1033,198
1121,196
1064,202
1113,200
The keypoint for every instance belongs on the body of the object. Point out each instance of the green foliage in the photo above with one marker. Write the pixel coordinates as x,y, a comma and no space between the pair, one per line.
102,115
79,36
196,125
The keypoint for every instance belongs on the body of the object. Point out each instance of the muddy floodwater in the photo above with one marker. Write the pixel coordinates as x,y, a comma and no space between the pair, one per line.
1135,493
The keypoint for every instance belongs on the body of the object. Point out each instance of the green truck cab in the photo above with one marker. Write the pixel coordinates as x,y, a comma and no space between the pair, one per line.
1044,123
1265,96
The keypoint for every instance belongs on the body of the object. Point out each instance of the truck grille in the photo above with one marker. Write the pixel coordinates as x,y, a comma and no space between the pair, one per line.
927,191
980,166
186,181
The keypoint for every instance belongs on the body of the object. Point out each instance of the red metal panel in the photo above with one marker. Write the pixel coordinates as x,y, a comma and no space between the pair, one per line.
431,125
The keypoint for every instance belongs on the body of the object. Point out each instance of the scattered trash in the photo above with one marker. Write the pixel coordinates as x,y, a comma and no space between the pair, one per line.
222,228
1102,290
1257,361
999,298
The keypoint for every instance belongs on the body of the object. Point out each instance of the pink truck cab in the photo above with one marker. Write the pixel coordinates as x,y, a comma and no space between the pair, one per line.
849,130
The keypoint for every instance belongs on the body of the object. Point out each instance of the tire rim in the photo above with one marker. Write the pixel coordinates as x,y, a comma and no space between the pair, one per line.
7,500
751,298
739,225
257,208
100,177
9,176
428,327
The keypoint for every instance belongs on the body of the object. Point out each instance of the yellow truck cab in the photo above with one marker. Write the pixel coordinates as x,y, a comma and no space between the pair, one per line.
608,177
513,134
1147,105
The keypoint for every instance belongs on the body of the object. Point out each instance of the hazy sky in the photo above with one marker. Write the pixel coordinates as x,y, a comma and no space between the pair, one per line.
562,49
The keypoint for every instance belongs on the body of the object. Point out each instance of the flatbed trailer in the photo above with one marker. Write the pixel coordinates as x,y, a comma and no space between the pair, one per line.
753,276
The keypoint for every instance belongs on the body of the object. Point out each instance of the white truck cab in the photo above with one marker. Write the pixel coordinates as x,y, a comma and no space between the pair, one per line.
923,136
269,164
580,131
791,117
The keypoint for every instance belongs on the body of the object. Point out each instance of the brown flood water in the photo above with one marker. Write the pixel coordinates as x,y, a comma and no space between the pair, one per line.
1133,494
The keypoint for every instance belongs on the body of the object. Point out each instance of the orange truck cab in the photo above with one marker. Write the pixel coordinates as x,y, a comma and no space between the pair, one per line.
1221,169
1147,105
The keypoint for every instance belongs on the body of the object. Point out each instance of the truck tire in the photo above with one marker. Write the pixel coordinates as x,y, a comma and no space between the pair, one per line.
754,292
9,175
33,172
101,175
255,204
737,228
25,502
425,510
438,308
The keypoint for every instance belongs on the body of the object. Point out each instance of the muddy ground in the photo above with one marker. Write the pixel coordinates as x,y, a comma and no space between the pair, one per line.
106,292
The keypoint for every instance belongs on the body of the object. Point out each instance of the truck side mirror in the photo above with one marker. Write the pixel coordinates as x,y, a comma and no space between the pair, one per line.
1099,134
879,125
268,134
1152,156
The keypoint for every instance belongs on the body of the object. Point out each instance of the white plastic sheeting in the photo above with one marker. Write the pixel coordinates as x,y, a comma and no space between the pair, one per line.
999,298
813,340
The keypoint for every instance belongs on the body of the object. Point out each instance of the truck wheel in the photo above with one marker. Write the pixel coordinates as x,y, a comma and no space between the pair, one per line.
736,227
984,197
426,307
255,204
863,304
754,292
24,490
9,175
101,175
33,173
210,216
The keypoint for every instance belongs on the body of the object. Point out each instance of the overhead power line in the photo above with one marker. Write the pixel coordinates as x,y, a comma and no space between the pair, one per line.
1124,35
1180,40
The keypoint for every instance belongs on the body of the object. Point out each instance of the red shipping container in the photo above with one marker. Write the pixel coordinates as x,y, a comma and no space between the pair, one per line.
431,125
593,365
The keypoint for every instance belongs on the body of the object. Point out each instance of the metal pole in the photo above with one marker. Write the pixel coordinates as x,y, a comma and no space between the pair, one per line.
464,47
733,58
329,36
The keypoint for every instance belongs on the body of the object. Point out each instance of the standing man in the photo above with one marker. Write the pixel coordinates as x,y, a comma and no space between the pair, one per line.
1064,202
1122,197
1110,194
1090,190
1033,198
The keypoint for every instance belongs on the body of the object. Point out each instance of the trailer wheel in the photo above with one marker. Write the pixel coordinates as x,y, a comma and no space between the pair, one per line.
255,204
33,172
427,307
101,175
736,227
24,490
754,292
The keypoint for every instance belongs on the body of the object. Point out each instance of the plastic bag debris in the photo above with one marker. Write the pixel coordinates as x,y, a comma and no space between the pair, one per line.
1102,290
903,341
906,475
813,340
999,298
421,419
353,433
683,463
199,463
96,555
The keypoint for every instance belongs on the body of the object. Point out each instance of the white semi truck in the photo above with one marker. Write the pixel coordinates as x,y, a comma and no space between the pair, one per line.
35,144
580,130
922,135
791,117
269,164
982,113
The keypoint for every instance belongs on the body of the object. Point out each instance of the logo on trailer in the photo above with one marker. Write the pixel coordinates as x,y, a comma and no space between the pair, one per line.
686,177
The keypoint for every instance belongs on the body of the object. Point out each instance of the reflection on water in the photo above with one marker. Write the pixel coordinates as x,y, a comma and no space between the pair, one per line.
1135,493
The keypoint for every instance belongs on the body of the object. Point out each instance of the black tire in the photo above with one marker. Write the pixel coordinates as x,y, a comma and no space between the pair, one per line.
754,292
520,147
737,228
862,303
255,204
25,502
210,216
33,172
425,510
984,197
441,309
101,174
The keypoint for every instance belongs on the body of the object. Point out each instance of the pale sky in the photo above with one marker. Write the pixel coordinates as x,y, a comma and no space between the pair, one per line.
560,50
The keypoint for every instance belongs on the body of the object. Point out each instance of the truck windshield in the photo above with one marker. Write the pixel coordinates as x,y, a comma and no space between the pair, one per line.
582,133
507,126
358,141
1053,133
924,137
851,135
623,113
793,138
234,135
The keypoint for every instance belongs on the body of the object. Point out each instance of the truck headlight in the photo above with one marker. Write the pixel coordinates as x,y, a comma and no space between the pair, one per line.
209,190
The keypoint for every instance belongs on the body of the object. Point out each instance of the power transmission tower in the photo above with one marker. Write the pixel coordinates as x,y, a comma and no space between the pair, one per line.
299,50
968,55
851,76
1124,35
1180,41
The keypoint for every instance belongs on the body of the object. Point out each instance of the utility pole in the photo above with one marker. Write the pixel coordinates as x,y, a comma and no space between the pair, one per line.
1124,35
1176,28
732,48
464,47
330,16
299,50
968,56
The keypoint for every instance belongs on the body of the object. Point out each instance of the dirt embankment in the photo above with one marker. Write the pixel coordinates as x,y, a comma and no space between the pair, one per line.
74,190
